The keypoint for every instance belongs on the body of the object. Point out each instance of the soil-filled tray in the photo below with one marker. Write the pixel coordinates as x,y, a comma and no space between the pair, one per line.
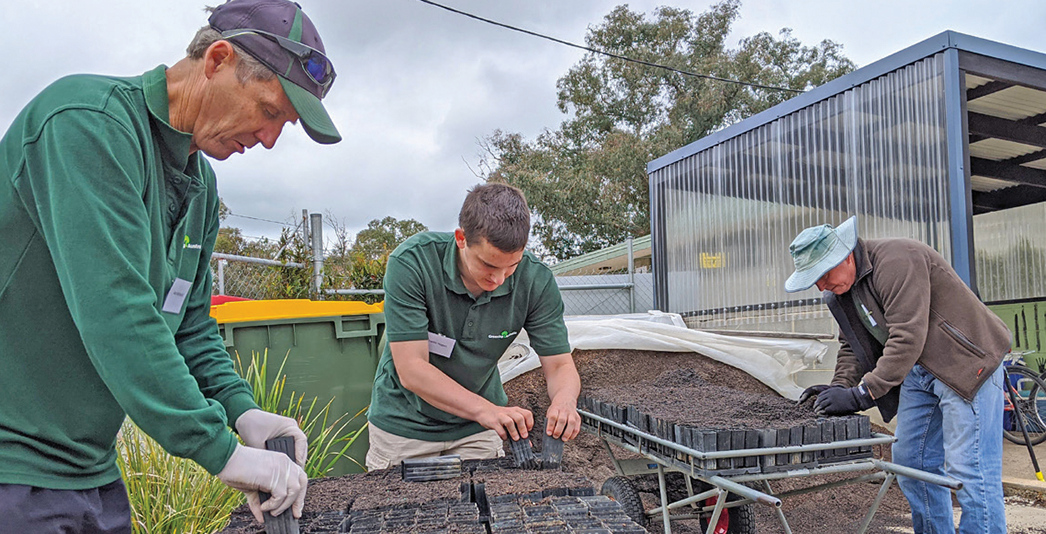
328,500
585,514
462,517
381,501
497,481
683,396
684,408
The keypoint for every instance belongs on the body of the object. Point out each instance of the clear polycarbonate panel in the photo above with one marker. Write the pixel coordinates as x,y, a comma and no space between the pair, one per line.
877,151
1011,253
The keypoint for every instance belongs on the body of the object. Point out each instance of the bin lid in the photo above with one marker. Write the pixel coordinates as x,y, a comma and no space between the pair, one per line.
264,310
222,299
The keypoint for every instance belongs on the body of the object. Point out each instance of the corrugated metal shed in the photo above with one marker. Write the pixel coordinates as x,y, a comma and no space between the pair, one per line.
940,142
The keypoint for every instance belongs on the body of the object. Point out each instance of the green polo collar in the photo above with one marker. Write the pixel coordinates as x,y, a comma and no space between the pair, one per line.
452,276
175,145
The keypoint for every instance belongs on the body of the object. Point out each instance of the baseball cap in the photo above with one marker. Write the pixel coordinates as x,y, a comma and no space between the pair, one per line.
819,249
279,35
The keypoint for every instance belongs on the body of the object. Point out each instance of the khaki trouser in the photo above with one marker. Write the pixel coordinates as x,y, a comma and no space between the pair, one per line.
387,450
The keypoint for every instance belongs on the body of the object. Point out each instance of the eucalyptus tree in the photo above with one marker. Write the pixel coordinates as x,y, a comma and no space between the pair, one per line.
586,181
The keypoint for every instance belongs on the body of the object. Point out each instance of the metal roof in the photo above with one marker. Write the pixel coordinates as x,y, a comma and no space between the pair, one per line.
1005,89
612,258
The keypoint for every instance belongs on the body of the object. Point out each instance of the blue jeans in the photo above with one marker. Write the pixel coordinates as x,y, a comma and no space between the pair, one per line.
940,432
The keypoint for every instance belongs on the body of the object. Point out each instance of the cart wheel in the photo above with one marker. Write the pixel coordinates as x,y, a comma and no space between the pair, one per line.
740,520
624,492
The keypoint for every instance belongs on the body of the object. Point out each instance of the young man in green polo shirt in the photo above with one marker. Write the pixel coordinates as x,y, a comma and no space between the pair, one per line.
453,304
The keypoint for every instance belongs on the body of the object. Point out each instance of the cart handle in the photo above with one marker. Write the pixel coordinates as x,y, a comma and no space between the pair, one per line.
909,472
744,491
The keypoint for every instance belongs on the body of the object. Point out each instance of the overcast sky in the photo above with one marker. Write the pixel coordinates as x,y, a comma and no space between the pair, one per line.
418,86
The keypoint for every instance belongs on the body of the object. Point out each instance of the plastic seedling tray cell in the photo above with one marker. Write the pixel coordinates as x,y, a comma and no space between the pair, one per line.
811,436
551,452
796,438
554,492
284,523
427,469
523,454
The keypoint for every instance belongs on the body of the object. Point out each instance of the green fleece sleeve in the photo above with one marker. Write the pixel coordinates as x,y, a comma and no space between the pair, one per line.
198,339
82,181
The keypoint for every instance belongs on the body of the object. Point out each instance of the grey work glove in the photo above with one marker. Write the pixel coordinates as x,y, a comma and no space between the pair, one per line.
843,401
813,391
256,427
252,470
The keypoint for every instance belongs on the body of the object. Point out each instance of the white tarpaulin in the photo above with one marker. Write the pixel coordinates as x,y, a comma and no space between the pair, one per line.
773,361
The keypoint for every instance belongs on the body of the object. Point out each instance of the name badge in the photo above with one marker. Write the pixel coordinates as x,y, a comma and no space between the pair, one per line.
440,345
867,313
176,296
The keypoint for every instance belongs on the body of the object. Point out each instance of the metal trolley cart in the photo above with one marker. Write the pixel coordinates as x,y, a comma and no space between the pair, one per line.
731,464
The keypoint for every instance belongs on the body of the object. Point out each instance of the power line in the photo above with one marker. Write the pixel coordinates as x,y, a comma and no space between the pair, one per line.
608,54
255,237
231,214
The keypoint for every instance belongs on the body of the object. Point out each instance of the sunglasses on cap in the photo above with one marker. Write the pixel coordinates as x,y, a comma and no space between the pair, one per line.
314,62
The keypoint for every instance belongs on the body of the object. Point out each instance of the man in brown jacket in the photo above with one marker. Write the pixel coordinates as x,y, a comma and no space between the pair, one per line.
918,343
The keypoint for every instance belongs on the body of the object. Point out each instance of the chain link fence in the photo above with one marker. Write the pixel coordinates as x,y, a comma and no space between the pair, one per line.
246,277
262,279
606,294
610,282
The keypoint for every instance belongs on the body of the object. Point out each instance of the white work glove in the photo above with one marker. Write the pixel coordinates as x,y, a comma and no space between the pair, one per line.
252,470
256,426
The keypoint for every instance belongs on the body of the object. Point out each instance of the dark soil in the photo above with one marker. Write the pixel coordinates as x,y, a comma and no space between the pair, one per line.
587,455
587,462
683,397
617,372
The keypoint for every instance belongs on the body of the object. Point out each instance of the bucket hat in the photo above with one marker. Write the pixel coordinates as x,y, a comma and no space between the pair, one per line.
819,249
279,35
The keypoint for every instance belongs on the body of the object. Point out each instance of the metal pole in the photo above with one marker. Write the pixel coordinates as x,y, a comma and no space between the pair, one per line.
664,497
744,491
875,503
316,220
960,212
221,277
780,512
631,278
256,261
713,521
917,474
589,287
353,291
1019,416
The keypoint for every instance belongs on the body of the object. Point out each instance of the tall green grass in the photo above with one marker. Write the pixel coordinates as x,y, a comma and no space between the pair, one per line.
327,445
172,495
169,494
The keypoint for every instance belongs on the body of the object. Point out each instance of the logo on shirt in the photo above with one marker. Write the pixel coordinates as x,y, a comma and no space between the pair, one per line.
189,245
505,334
